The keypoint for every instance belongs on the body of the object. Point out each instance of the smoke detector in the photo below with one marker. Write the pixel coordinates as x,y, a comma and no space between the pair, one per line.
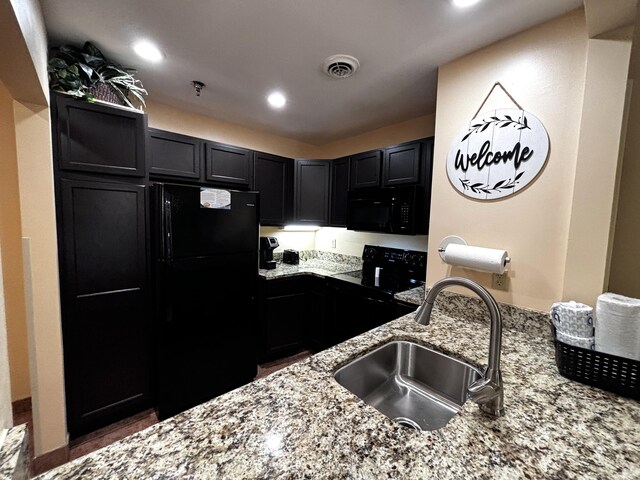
340,66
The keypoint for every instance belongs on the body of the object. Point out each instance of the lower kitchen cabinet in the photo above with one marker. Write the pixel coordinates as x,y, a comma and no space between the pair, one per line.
315,323
352,312
291,316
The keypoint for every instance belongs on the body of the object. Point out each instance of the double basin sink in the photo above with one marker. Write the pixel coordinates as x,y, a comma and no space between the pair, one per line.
411,384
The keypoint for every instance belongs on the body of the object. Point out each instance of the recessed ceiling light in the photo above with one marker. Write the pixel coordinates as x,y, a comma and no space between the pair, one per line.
464,3
276,99
148,51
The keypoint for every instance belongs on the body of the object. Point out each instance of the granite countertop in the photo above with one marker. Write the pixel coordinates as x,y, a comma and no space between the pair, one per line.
321,264
299,423
14,453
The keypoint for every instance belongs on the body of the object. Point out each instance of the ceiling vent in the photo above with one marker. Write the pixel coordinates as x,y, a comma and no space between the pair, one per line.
340,66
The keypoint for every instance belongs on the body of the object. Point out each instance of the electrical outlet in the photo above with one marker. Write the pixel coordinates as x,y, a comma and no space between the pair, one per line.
499,281
333,243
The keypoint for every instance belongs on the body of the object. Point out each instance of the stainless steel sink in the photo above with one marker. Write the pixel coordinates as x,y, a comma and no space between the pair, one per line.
411,384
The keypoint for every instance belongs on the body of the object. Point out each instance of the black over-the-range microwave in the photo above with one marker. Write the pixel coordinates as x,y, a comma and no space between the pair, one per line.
399,210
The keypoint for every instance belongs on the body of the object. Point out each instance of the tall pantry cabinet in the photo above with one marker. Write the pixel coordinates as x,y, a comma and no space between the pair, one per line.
101,198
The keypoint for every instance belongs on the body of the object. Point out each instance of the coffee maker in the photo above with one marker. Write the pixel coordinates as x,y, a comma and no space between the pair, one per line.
267,246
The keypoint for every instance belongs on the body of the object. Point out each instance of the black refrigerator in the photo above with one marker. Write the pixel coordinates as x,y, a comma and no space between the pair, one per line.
206,270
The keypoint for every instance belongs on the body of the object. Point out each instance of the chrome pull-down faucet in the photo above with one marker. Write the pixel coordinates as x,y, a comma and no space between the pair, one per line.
487,391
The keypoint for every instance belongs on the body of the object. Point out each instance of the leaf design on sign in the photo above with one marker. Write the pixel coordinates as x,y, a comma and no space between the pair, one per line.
506,121
505,184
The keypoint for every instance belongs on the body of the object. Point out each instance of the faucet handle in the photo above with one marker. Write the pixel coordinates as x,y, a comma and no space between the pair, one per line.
483,390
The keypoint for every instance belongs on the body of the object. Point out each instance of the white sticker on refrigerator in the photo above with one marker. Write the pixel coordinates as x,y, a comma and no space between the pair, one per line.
215,198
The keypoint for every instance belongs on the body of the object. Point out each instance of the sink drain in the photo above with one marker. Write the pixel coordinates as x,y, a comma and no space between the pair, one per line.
407,422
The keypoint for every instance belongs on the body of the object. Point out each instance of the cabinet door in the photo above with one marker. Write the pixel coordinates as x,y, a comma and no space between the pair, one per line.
365,169
315,323
173,155
273,178
401,165
339,189
227,165
105,309
96,138
282,317
312,192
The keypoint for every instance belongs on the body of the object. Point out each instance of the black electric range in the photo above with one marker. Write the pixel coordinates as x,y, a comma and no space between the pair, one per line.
363,299
388,271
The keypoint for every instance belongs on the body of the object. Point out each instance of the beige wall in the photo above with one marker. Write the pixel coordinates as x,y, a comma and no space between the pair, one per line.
625,261
10,238
188,123
349,242
35,166
594,192
413,129
6,414
23,50
544,70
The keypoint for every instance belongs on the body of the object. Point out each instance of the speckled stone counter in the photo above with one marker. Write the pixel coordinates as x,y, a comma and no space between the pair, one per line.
322,264
14,454
299,423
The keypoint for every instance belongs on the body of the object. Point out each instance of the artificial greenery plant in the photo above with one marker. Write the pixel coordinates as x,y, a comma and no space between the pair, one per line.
79,72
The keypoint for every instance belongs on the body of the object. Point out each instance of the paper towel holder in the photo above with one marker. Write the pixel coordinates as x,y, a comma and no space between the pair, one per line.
448,240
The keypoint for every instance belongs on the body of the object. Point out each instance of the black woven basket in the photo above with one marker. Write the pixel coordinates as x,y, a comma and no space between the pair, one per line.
609,372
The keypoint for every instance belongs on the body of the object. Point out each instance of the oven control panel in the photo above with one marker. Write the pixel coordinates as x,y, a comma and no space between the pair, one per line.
381,256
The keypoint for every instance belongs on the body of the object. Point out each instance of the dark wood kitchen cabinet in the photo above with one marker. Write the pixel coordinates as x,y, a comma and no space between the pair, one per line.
173,155
105,303
365,169
311,192
98,152
96,138
229,166
339,189
282,307
273,178
291,316
401,165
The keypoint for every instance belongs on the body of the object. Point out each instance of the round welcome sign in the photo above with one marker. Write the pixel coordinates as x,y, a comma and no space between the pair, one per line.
499,153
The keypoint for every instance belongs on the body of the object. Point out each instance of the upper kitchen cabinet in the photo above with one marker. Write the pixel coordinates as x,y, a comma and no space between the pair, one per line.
365,169
98,138
401,165
227,165
339,188
273,178
311,201
173,155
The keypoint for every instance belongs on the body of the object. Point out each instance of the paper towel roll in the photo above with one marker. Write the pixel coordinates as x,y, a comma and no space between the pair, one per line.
618,325
477,258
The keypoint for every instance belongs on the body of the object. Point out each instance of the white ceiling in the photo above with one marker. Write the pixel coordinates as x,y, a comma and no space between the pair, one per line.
243,49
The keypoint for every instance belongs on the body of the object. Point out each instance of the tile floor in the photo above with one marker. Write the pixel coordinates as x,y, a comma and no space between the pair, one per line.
117,431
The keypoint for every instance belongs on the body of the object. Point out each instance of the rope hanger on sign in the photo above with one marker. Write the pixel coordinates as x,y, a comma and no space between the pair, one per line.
497,84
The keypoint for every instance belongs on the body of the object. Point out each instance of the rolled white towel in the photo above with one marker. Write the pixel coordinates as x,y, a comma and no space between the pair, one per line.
618,325
573,318
582,342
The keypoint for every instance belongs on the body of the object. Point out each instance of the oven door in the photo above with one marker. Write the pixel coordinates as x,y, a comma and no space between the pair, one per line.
370,211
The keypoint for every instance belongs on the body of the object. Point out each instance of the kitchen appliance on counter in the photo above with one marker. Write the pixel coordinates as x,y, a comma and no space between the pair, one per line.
206,259
363,299
291,257
267,246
